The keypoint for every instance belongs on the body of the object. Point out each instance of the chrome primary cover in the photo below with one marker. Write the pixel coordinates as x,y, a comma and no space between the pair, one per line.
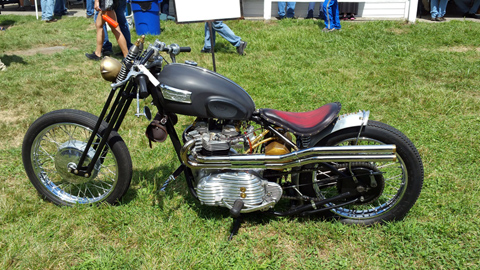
223,189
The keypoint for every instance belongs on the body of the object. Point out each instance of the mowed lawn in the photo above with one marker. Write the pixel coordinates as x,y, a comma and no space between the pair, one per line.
422,79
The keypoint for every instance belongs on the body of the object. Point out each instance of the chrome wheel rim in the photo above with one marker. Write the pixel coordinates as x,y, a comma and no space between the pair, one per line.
57,149
395,177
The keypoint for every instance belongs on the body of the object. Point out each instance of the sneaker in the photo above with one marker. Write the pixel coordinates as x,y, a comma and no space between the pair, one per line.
205,50
21,8
2,67
66,13
51,20
326,30
440,19
309,15
241,47
89,16
107,53
470,15
93,56
280,17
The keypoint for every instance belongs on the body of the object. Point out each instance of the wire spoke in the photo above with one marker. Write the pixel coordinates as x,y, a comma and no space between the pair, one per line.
62,144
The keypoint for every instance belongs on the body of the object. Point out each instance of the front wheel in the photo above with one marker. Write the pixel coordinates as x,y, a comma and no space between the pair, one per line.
55,142
384,191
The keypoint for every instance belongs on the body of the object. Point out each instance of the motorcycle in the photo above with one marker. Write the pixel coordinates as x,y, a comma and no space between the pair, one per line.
233,155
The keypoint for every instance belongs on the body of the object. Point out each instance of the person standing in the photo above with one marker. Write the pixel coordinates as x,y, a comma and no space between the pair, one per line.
60,8
21,7
47,10
107,47
332,19
469,12
226,33
106,7
290,13
165,7
311,7
90,11
438,9
348,10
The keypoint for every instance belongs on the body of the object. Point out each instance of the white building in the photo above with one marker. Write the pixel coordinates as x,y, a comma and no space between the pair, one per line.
389,9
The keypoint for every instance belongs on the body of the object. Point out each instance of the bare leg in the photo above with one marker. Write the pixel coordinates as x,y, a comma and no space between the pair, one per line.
122,42
100,34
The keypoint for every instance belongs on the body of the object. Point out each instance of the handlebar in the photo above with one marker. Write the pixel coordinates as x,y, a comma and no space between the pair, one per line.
180,49
185,49
172,49
175,49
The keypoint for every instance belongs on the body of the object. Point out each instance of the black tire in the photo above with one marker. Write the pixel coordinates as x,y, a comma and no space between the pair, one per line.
57,139
401,180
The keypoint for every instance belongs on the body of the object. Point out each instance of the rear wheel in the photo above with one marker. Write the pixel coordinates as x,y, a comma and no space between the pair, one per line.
54,144
384,191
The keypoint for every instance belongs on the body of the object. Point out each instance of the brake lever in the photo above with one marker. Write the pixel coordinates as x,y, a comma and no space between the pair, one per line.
131,73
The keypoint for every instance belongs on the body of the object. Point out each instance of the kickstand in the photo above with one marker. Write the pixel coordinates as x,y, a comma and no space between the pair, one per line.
237,219
237,222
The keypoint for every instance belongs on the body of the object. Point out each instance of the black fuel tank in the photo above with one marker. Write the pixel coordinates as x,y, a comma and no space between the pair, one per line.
196,91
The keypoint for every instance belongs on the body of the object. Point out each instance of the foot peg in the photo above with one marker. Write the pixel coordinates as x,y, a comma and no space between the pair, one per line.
237,220
237,207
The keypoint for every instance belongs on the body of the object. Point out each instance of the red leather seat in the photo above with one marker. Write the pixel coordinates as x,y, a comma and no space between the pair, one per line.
303,123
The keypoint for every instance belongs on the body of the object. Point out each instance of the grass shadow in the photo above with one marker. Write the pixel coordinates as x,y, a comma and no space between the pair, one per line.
4,25
222,47
9,59
180,187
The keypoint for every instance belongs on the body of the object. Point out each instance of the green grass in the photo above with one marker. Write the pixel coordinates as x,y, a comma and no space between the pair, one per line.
422,79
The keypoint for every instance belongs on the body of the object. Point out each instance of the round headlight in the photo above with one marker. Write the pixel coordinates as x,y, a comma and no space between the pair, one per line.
110,67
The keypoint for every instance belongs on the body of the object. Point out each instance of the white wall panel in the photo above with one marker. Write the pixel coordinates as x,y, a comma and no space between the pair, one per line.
254,8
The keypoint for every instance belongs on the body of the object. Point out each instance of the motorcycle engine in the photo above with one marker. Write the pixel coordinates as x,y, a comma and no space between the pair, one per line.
224,187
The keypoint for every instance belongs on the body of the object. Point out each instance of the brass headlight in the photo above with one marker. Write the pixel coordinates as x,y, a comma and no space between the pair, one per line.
110,67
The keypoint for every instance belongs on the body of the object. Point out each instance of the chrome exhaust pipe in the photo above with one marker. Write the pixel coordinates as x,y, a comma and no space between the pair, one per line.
354,153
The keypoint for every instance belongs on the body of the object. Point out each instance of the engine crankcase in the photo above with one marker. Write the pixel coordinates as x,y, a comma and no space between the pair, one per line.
219,188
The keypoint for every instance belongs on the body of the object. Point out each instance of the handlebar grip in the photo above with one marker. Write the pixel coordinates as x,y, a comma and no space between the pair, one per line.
141,81
181,49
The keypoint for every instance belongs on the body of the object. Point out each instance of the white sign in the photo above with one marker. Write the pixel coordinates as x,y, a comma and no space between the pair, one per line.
207,10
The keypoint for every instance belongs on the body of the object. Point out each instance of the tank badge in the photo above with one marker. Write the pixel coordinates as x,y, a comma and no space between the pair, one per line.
174,94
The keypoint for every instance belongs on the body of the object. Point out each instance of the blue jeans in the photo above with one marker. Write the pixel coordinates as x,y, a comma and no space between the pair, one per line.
437,8
311,7
122,22
464,8
47,9
89,6
332,19
290,9
224,31
164,7
60,8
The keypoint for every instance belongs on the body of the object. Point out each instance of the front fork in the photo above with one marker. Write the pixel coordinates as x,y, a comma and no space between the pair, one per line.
114,118
116,114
